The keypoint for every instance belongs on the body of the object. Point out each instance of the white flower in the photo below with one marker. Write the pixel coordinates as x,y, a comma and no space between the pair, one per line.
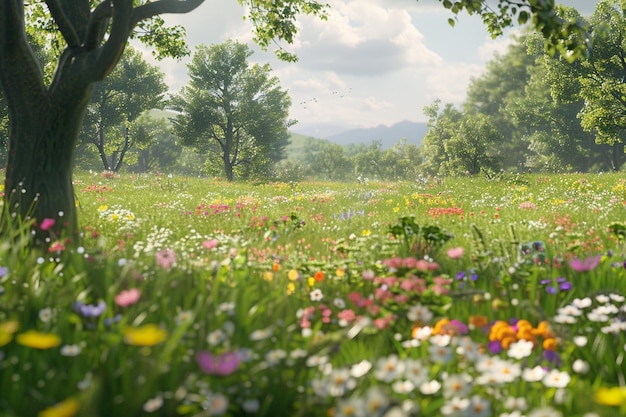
416,371
153,404
556,379
580,341
533,374
261,334
618,298
422,333
375,401
419,312
339,382
217,403
316,295
455,406
478,407
351,407
518,403
389,368
402,386
70,350
441,354
580,366
360,369
520,349
582,303
570,310
457,385
215,337
46,314
430,387
339,303
273,357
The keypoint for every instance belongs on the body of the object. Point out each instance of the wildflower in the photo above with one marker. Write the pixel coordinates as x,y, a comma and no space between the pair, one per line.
351,407
224,364
318,276
261,334
520,349
252,405
210,244
38,340
587,264
7,329
402,386
66,408
580,366
293,275
614,396
316,295
165,258
360,369
46,314
457,385
146,335
455,406
533,374
389,368
70,350
127,297
217,403
556,379
456,253
430,387
375,401
153,404
273,357
90,310
478,407
47,224
421,313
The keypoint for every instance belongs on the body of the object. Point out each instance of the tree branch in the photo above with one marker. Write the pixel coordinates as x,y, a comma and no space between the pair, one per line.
155,8
96,28
63,22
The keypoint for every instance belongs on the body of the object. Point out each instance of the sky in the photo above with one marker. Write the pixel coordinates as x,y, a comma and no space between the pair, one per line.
373,62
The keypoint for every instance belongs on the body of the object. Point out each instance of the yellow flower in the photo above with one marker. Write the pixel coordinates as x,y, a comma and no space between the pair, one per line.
147,335
365,232
38,340
6,331
340,272
396,209
291,288
268,276
614,396
67,408
293,275
102,208
311,282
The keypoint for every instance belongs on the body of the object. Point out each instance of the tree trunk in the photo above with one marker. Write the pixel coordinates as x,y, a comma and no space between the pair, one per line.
42,145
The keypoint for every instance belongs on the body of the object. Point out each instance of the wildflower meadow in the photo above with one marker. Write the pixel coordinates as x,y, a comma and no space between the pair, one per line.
498,297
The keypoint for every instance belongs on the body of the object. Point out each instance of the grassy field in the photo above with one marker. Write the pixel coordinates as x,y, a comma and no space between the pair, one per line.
192,297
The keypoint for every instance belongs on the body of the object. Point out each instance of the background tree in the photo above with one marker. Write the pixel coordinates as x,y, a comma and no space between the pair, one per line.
442,123
132,88
327,159
156,148
232,110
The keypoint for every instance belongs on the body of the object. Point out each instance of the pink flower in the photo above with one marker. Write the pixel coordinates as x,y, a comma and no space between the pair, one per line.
588,264
456,253
224,364
47,223
210,244
347,315
165,258
127,297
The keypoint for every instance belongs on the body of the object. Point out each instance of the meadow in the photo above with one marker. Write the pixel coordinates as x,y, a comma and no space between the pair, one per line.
439,297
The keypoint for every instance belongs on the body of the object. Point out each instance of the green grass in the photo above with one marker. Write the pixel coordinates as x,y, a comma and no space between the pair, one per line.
296,300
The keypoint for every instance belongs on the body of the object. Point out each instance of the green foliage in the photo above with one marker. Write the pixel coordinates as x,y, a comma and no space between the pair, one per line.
419,241
327,160
235,113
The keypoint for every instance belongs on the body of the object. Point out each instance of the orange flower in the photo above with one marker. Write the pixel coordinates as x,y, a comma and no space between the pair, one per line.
478,321
275,267
507,340
551,343
543,329
438,328
319,276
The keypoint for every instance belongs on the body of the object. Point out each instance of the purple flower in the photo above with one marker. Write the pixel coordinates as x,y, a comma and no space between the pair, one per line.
588,264
553,357
90,310
224,364
3,271
494,347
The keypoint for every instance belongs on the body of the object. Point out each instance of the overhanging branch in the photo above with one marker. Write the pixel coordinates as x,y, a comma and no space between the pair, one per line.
162,7
63,22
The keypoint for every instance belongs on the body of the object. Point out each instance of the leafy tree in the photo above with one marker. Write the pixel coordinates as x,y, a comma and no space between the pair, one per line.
471,147
232,110
396,163
117,102
327,159
156,148
491,94
442,124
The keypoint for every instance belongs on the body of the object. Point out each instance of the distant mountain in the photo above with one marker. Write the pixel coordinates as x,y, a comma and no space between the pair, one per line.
414,132
320,130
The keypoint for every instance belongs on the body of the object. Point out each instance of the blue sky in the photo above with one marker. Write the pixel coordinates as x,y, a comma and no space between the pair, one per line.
373,62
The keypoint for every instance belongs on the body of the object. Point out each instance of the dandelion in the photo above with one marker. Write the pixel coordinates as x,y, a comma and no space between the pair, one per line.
146,335
38,340
66,408
46,314
224,364
127,297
